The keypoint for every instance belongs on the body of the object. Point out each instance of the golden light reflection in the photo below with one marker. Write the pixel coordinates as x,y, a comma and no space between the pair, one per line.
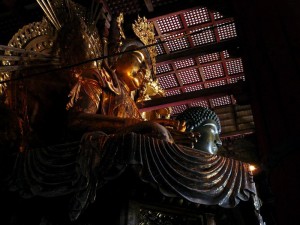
252,168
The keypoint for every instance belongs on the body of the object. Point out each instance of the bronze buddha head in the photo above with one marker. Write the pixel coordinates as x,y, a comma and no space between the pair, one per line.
205,122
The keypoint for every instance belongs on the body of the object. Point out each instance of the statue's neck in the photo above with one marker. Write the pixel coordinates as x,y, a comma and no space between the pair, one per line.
125,87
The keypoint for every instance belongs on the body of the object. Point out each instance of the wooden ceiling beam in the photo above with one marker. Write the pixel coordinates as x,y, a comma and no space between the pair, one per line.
229,44
189,97
149,5
179,5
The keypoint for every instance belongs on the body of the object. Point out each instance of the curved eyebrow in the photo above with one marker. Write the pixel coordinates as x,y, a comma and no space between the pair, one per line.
211,124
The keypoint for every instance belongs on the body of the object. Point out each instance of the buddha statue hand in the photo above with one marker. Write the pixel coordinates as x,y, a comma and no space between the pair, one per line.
186,138
172,124
149,128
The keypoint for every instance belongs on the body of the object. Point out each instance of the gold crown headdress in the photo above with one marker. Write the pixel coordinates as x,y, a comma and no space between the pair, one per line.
144,30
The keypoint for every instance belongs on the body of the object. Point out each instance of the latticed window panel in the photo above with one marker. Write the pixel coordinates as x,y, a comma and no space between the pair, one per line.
168,81
209,58
234,66
202,103
236,79
225,54
215,83
178,109
160,49
175,43
164,68
173,92
203,36
196,16
226,31
217,15
220,101
189,76
184,63
213,71
196,87
169,24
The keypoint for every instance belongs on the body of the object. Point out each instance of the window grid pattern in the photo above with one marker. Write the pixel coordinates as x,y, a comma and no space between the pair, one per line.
184,63
203,36
168,81
202,103
196,16
215,83
213,71
215,68
225,54
234,66
217,15
177,43
189,76
209,58
163,68
236,79
169,24
173,92
160,49
193,88
226,31
220,101
178,109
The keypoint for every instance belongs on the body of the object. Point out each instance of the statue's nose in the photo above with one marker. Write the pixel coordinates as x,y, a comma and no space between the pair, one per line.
218,141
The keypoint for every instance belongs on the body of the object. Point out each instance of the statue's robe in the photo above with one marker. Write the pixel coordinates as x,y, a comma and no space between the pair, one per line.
81,168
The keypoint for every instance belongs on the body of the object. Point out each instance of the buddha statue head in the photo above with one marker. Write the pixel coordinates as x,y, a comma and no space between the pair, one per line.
205,122
133,65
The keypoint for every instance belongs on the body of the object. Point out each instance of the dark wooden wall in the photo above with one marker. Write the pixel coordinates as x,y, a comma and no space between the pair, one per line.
270,36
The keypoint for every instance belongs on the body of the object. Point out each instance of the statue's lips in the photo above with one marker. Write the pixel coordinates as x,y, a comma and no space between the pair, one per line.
136,82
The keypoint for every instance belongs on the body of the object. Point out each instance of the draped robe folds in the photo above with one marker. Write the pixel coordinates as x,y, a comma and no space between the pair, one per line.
80,168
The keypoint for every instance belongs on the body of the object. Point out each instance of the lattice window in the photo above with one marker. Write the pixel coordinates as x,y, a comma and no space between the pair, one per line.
209,57
224,100
217,15
189,76
216,83
163,68
184,63
196,16
225,54
193,88
236,79
160,49
226,31
213,71
168,24
173,92
168,81
234,66
202,103
203,36
177,43
178,109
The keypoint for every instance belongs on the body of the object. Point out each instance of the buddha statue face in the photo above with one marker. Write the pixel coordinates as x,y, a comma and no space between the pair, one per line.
209,140
131,69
